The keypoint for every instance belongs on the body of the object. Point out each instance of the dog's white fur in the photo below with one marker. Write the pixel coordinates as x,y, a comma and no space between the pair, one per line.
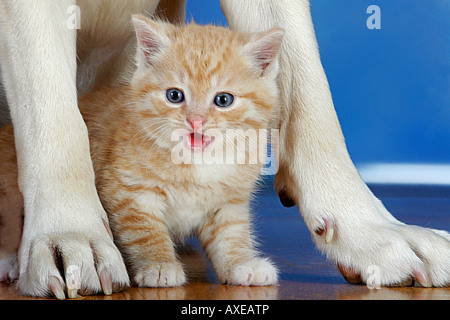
38,60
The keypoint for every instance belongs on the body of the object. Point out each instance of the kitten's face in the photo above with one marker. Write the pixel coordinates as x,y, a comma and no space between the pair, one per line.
197,81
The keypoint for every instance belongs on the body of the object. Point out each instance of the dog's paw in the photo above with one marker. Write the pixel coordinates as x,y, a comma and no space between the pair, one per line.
256,272
387,253
165,274
9,269
72,263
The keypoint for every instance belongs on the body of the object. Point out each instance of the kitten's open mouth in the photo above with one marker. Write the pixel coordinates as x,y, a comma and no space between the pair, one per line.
198,141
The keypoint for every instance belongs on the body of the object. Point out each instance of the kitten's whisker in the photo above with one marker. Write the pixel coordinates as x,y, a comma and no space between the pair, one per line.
159,132
144,128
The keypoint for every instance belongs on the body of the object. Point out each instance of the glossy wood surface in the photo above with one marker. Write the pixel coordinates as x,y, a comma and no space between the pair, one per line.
305,273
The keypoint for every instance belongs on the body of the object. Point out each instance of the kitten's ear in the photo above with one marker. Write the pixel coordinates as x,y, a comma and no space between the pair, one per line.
263,48
151,39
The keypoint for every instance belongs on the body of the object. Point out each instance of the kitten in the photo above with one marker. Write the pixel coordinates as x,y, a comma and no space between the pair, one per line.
154,139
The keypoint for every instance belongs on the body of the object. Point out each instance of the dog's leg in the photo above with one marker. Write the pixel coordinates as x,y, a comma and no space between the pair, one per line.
172,10
4,111
65,225
345,219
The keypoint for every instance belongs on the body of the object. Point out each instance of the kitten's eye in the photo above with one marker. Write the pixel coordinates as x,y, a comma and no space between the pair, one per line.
224,100
175,95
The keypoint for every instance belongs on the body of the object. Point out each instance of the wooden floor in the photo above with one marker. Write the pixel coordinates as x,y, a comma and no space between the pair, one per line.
305,273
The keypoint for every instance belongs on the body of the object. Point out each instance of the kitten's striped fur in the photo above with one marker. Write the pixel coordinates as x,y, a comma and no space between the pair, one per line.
152,202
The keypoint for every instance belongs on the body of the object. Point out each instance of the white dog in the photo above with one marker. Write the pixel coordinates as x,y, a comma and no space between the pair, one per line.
38,54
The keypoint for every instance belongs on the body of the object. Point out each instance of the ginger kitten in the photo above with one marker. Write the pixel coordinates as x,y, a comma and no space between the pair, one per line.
155,142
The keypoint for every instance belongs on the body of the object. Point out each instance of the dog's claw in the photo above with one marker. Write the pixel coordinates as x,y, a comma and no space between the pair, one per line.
106,282
329,230
57,288
72,293
349,274
423,278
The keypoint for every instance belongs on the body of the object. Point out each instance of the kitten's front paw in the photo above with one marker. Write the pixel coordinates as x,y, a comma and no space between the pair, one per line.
257,272
166,274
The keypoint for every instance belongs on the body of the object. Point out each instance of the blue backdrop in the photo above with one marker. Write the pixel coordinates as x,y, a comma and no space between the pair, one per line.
391,86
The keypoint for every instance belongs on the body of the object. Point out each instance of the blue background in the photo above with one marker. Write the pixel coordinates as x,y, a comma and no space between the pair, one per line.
391,87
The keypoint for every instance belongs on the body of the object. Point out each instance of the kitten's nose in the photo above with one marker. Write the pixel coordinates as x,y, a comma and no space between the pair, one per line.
196,122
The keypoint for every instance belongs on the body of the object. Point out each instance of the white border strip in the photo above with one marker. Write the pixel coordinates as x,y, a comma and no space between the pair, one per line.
405,173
